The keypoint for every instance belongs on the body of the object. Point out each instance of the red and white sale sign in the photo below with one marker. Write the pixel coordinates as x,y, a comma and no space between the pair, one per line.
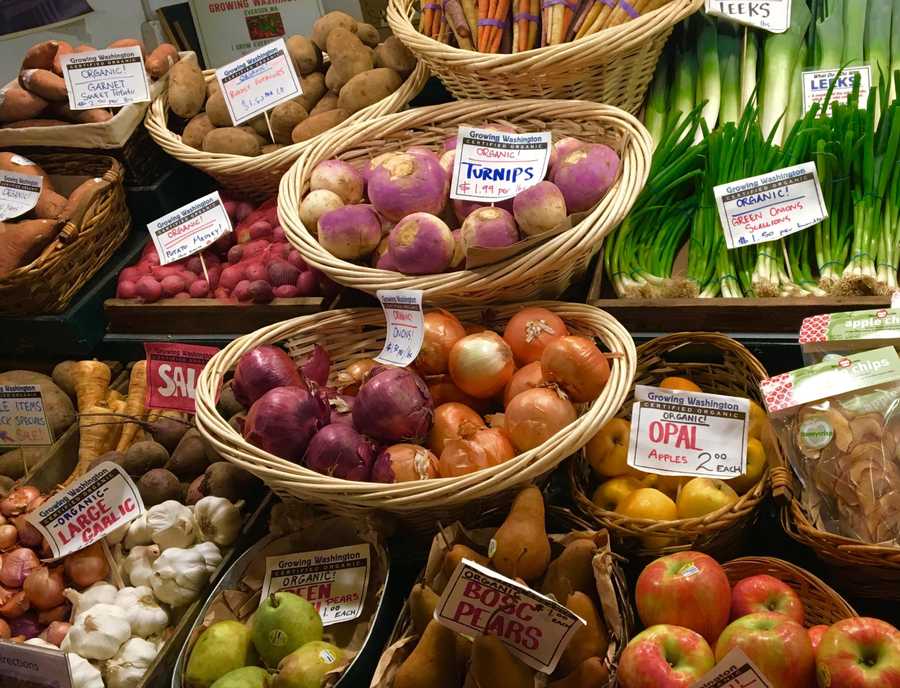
172,373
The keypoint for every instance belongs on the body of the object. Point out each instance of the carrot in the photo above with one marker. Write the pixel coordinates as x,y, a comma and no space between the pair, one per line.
91,383
134,406
94,430
501,14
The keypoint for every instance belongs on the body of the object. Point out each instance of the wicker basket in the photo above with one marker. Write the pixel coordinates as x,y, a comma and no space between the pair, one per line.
351,334
614,66
822,604
99,225
736,372
257,178
544,271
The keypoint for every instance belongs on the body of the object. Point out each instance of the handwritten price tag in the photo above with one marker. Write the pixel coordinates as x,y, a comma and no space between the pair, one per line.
258,81
23,422
30,666
771,15
172,372
94,506
736,670
334,581
18,193
405,325
189,229
105,78
688,433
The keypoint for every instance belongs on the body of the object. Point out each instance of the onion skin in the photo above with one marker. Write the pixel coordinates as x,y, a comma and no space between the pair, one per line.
539,208
442,331
5,633
451,422
340,451
408,183
529,332
402,463
60,613
482,449
490,227
14,605
528,377
284,420
317,366
17,565
87,566
8,536
351,377
420,244
535,415
351,232
577,366
393,405
19,500
481,364
340,405
44,588
443,391
29,536
585,174
261,369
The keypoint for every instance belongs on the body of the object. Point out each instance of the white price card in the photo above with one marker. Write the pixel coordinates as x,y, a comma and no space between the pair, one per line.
771,15
23,422
479,601
817,82
496,165
334,581
92,507
676,432
18,193
105,78
736,670
189,229
258,81
31,666
770,206
405,327
895,300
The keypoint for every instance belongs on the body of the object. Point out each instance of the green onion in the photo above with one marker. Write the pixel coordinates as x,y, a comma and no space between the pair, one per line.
878,45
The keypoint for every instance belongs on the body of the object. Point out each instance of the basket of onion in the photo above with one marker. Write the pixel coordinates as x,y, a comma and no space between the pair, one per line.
494,400
370,206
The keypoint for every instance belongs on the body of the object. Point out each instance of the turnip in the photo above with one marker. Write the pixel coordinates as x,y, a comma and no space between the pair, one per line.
339,177
148,289
375,162
585,174
539,208
172,284
286,291
404,184
447,160
281,273
242,291
560,150
315,205
462,209
490,227
458,260
350,232
231,276
420,244
126,289
260,291
256,270
199,289
307,283
420,150
450,143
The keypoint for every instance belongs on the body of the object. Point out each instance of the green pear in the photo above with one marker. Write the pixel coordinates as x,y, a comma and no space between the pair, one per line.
245,677
222,647
284,622
306,667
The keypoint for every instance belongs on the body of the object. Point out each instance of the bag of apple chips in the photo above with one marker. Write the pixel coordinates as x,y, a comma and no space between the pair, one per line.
839,423
833,335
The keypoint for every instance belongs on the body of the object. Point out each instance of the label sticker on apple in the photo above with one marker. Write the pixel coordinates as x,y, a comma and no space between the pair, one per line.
736,670
675,432
691,570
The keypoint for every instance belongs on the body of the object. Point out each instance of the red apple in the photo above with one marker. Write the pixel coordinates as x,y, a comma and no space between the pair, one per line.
859,653
815,635
777,645
765,594
664,657
687,589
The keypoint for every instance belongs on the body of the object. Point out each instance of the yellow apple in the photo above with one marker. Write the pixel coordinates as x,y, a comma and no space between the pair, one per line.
610,493
759,421
670,484
680,383
607,452
756,466
701,496
650,503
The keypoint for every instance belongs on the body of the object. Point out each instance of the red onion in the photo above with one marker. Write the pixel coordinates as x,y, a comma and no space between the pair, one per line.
56,632
261,369
15,603
26,624
283,420
29,536
19,500
341,405
16,567
341,452
60,613
393,405
317,366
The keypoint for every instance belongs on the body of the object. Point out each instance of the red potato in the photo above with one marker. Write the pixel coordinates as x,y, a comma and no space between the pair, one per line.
294,258
307,283
214,272
199,289
242,210
148,289
16,103
256,272
130,274
242,291
255,248
160,272
126,289
260,291
261,229
280,250
281,273
64,48
221,294
235,253
158,62
286,291
40,55
182,295
44,83
278,234
231,277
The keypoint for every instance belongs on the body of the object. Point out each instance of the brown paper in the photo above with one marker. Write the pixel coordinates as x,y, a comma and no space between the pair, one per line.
478,257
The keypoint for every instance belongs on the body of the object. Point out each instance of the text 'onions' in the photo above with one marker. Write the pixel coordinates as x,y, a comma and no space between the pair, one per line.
535,415
481,364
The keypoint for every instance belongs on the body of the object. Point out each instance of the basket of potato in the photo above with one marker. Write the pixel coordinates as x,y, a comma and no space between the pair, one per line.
348,75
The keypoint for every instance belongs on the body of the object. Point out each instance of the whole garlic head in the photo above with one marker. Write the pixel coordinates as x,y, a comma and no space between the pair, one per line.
138,533
99,593
179,576
218,520
98,633
83,673
130,664
211,555
144,614
138,565
171,524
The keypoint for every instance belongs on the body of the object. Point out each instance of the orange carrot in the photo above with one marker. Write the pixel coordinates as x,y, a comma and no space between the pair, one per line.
134,405
501,14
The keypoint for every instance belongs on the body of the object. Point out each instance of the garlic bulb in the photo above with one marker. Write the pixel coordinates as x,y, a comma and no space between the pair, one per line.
179,576
98,633
83,673
118,535
171,524
138,533
130,664
138,565
211,555
218,520
99,593
144,614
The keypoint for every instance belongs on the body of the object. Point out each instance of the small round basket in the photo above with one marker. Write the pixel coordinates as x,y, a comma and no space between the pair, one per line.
730,369
542,270
613,66
352,334
257,178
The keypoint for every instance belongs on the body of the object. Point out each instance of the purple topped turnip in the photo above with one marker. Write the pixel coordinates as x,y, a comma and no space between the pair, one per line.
420,244
350,232
459,251
489,227
408,183
315,205
560,150
339,177
539,208
585,175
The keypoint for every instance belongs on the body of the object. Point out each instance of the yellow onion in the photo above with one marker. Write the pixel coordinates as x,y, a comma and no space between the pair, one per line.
483,448
535,415
452,421
527,377
530,330
442,331
481,364
577,366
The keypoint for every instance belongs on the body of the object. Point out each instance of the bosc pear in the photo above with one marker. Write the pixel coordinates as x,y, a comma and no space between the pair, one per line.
422,601
520,548
591,640
591,673
572,571
492,666
432,664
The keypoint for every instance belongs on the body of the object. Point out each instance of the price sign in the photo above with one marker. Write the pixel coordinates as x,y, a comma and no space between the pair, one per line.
736,670
479,601
895,300
172,372
688,433
771,15
496,165
189,229
23,422
30,666
770,206
105,78
259,81
817,82
405,325
18,193
94,506
334,581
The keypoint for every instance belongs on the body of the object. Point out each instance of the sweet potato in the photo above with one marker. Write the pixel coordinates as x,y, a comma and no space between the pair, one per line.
49,204
80,196
187,89
64,48
217,110
13,162
44,83
25,123
16,103
314,88
313,126
368,88
325,24
128,43
161,59
40,55
306,55
61,110
328,102
85,48
284,117
22,242
394,55
231,140
196,130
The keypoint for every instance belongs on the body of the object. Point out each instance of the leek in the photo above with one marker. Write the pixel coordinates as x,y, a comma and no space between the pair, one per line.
854,33
795,102
709,85
655,116
830,34
729,62
895,49
878,47
683,89
748,68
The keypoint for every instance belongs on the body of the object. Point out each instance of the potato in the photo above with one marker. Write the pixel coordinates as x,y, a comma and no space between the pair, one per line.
16,103
161,59
314,88
44,83
261,140
368,34
327,22
394,55
342,42
329,102
17,462
368,88
305,54
284,117
196,130
63,376
347,63
57,405
270,148
313,126
260,128
231,140
187,89
212,86
41,55
217,110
